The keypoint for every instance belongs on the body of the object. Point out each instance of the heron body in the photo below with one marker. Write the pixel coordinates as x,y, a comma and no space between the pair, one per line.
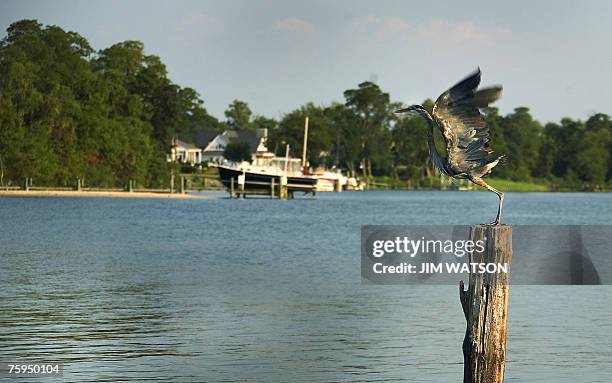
456,114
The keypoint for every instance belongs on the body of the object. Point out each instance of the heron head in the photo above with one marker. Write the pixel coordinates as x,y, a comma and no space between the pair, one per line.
413,109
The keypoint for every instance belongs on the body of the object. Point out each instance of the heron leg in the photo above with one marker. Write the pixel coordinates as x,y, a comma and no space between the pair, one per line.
480,182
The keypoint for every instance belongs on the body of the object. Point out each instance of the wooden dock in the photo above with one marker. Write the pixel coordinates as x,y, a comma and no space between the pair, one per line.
277,188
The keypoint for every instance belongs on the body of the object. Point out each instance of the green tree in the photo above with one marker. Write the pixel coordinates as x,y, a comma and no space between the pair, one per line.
495,122
563,139
106,118
291,131
593,157
373,112
237,151
261,122
410,148
345,143
522,135
238,115
193,117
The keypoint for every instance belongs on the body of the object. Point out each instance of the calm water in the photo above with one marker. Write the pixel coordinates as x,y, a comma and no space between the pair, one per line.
269,291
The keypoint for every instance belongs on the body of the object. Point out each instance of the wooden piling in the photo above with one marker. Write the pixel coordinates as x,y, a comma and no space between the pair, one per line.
182,185
172,187
231,187
241,182
485,306
283,187
272,188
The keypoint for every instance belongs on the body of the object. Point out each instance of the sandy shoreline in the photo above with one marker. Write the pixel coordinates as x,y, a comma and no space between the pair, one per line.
104,194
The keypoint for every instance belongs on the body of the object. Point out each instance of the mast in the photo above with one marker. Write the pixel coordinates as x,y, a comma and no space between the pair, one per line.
305,142
286,158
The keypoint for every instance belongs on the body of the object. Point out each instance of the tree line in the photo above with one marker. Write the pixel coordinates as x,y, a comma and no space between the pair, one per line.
363,136
108,116
105,116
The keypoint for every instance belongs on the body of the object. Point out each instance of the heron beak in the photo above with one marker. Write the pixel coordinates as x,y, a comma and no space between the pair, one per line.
405,110
409,109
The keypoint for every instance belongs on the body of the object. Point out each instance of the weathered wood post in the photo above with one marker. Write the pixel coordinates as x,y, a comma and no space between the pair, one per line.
78,184
485,306
272,188
231,187
26,184
182,185
172,187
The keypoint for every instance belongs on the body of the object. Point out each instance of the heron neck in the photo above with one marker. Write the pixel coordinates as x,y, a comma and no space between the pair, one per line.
435,157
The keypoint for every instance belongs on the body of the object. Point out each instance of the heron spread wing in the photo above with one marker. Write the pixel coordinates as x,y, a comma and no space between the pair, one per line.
463,126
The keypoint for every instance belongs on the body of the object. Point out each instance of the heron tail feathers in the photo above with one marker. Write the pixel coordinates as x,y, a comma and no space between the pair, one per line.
485,96
486,170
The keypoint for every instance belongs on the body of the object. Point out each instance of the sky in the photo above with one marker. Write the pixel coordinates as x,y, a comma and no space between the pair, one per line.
554,57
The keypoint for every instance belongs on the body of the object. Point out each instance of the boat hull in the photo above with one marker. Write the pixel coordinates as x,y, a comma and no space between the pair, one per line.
260,182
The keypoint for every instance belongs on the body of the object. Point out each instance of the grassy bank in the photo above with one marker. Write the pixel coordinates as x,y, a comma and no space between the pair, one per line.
517,186
438,183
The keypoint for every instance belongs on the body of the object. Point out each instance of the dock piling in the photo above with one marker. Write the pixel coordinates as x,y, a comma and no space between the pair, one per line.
283,188
485,306
241,182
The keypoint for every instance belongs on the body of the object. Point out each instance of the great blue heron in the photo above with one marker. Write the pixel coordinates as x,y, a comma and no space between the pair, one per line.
457,115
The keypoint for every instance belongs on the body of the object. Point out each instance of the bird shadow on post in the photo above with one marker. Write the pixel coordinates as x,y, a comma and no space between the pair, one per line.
485,306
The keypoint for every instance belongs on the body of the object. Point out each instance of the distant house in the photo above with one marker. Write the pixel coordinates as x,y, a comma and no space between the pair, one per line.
204,137
213,151
184,152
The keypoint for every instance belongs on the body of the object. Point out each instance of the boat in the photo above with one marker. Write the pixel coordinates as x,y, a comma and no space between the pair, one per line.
328,181
260,179
266,172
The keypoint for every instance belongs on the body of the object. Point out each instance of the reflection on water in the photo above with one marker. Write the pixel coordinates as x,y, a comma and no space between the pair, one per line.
260,290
